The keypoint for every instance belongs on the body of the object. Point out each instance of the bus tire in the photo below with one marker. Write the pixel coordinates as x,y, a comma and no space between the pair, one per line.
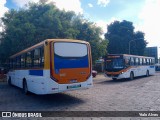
114,79
9,81
131,76
147,73
25,87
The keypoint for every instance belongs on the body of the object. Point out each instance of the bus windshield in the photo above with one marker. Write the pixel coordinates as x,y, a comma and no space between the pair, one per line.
116,63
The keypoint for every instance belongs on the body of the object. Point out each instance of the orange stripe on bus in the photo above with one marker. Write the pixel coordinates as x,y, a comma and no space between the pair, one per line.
119,72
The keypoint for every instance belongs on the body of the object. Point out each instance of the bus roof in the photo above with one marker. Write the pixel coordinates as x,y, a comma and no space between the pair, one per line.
132,55
46,41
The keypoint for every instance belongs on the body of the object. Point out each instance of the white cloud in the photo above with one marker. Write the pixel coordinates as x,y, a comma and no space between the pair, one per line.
69,5
103,3
103,24
3,9
21,3
150,24
90,5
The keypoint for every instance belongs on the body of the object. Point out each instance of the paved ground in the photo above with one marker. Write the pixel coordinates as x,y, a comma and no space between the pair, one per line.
141,94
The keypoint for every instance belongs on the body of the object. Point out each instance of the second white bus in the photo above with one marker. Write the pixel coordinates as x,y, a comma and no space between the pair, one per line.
119,66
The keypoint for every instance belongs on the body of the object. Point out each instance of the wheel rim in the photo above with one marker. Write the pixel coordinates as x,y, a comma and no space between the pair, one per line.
147,74
9,81
131,76
25,88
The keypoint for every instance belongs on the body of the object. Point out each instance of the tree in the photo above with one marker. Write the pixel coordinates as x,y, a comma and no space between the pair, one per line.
39,21
88,31
121,35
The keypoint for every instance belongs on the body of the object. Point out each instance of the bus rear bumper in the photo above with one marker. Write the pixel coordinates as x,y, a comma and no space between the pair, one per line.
76,86
51,89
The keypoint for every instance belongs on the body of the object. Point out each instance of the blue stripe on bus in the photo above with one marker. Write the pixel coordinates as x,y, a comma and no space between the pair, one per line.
151,66
62,62
36,72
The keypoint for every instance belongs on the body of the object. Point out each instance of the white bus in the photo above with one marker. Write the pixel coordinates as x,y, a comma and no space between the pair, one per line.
120,66
52,66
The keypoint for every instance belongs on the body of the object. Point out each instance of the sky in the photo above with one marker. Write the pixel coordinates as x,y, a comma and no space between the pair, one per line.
143,13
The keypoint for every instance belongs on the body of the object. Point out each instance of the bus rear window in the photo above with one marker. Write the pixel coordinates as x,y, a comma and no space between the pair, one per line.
65,49
70,55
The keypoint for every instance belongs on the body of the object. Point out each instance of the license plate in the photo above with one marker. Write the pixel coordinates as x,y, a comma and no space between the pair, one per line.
73,86
73,81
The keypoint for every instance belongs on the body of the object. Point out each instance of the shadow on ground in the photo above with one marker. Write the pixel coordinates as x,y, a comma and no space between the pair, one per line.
120,81
16,100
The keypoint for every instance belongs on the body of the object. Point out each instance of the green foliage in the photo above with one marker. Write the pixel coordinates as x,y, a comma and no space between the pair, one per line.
120,35
40,21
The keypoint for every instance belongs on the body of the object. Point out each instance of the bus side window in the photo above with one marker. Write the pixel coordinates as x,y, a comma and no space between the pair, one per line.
18,65
140,61
127,61
152,61
144,61
28,59
147,61
136,61
11,63
14,63
36,57
23,61
32,58
131,61
42,56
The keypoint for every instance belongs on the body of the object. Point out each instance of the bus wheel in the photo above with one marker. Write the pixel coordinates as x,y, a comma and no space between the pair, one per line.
131,76
147,73
9,81
25,88
114,78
